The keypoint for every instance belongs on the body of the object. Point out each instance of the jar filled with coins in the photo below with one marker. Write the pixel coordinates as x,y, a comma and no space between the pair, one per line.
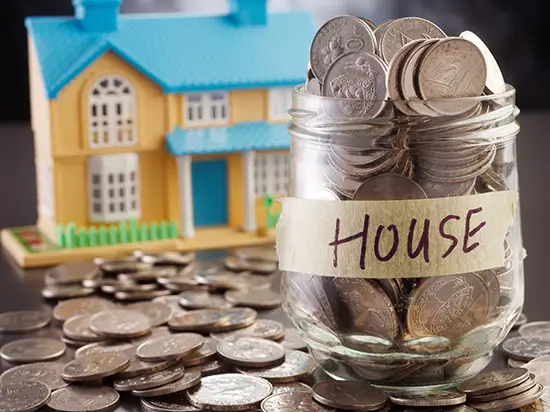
400,242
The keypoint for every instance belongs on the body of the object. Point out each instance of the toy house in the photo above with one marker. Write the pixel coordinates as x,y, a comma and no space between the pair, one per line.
161,118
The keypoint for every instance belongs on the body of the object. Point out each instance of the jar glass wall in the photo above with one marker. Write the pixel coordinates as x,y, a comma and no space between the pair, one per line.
406,331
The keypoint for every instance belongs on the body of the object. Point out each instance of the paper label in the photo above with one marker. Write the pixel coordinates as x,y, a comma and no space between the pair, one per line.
392,239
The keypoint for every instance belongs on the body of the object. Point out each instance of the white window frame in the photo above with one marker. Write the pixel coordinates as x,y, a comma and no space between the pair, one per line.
114,188
271,174
206,108
45,183
280,102
112,113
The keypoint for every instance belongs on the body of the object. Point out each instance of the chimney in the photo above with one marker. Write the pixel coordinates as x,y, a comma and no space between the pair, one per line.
97,16
248,12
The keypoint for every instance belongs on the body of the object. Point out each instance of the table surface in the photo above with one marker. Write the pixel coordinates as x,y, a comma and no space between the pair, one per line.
20,290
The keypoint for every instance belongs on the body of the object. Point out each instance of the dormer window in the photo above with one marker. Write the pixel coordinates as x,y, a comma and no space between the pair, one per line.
206,108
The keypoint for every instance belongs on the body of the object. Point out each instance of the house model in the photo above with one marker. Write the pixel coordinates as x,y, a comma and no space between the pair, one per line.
158,119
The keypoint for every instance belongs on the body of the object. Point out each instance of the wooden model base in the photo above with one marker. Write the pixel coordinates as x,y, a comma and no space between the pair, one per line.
30,248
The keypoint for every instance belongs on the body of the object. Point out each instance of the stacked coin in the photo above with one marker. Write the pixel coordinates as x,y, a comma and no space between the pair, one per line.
502,390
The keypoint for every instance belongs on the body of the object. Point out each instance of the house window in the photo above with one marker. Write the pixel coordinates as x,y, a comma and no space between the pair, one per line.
45,189
113,187
206,108
112,113
280,102
271,172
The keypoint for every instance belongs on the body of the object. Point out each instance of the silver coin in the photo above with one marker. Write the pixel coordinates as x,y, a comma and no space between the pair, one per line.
360,77
241,318
155,333
293,401
251,352
201,300
493,381
120,323
290,387
136,296
297,365
536,329
172,302
70,273
48,373
402,31
23,396
78,328
157,312
452,67
105,347
526,347
514,363
229,392
170,403
389,186
23,321
202,320
81,306
313,86
168,347
511,402
84,398
205,353
211,367
254,298
66,291
93,367
168,258
336,37
514,390
147,275
262,328
32,350
190,379
129,287
72,343
137,367
127,265
265,253
293,341
261,266
426,398
495,80
437,189
151,380
349,395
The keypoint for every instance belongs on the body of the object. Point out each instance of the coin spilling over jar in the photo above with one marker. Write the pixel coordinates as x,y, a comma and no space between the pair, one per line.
400,242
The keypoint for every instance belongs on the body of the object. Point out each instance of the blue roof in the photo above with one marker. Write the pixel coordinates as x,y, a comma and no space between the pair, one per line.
239,138
180,53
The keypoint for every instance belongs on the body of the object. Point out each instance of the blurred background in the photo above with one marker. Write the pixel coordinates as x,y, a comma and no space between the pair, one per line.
516,32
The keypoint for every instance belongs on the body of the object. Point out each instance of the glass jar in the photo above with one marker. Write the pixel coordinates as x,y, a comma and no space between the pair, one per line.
405,329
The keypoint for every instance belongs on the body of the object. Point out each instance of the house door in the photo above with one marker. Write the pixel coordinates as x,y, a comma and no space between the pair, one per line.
210,192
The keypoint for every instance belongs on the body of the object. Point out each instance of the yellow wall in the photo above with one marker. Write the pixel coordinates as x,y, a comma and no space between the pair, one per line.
248,106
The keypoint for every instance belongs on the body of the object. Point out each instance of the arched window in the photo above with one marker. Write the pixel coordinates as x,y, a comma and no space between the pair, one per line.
112,113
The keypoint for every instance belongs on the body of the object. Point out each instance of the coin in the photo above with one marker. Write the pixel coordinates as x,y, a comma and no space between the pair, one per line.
495,80
211,367
138,367
349,395
201,300
23,321
514,390
293,341
157,312
155,333
147,275
168,258
389,186
253,298
135,296
205,353
105,347
514,363
489,382
70,273
78,328
66,291
48,373
32,350
84,398
128,287
297,365
198,320
172,302
152,380
402,31
526,347
293,401
128,265
170,403
229,392
94,367
81,306
120,323
536,329
511,402
167,347
290,387
425,398
241,318
190,379
262,328
336,37
23,396
251,352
